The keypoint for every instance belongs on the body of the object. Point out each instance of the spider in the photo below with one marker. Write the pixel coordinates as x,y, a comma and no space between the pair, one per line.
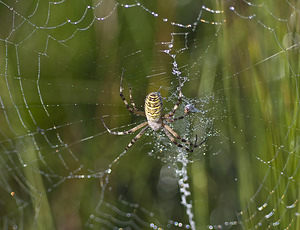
156,119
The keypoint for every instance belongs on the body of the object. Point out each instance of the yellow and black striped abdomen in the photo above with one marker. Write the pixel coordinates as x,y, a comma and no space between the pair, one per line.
153,110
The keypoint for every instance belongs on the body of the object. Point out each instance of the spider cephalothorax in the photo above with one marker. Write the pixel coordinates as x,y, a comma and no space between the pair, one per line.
155,118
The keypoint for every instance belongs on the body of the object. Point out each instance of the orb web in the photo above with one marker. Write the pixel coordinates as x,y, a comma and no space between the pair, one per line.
60,68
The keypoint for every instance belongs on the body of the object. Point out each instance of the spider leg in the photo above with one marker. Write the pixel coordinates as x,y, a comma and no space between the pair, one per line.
201,143
125,132
134,109
138,136
170,130
131,99
176,118
174,141
171,114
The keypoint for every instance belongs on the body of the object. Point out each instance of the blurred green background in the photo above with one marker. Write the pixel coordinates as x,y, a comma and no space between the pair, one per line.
60,68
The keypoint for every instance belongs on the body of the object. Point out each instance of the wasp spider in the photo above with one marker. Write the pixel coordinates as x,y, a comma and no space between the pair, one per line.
156,119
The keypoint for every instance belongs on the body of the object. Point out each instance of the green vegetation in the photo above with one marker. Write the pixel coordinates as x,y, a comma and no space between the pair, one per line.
60,67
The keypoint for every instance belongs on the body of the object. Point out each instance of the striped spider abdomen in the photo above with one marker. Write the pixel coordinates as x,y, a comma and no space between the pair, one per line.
153,110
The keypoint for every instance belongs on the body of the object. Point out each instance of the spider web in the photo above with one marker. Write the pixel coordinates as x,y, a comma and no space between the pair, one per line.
60,68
